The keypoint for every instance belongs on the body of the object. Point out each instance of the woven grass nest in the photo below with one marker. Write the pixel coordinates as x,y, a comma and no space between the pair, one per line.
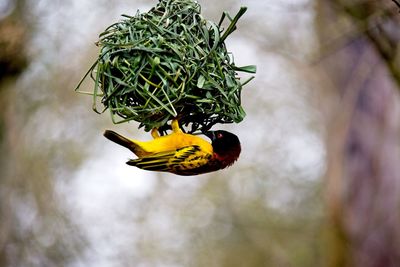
169,62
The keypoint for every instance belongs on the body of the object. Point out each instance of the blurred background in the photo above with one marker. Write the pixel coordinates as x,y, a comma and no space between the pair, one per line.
317,183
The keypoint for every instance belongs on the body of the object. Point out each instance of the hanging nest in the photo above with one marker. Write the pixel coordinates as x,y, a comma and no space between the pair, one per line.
166,63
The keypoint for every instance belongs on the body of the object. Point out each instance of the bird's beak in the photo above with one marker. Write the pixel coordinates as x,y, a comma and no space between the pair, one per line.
210,134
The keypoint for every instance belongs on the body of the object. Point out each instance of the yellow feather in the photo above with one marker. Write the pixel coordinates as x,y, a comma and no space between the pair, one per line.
172,142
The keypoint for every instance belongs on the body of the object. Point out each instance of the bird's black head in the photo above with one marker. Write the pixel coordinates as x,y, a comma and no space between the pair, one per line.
225,144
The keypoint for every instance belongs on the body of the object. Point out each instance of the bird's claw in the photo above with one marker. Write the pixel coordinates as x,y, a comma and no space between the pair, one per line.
175,126
154,133
175,129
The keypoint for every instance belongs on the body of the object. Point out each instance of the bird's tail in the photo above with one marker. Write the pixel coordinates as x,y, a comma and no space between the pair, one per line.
125,142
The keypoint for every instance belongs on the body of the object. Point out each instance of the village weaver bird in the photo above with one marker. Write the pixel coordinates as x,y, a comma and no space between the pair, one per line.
181,153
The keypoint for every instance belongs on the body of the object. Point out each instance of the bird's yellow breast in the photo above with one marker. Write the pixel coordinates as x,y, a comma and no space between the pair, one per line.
172,142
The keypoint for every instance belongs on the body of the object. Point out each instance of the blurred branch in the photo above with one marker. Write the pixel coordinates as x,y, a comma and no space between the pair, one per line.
381,25
397,3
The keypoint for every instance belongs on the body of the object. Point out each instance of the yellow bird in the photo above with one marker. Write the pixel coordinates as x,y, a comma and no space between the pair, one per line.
181,153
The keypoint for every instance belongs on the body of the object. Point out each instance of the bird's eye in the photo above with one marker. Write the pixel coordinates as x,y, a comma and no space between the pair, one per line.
220,135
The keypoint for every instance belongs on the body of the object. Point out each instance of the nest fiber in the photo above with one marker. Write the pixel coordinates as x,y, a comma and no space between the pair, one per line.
166,63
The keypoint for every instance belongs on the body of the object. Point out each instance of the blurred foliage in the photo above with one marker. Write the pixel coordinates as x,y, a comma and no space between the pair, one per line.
67,199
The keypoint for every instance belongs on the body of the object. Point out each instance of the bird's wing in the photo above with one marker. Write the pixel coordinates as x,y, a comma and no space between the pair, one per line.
180,161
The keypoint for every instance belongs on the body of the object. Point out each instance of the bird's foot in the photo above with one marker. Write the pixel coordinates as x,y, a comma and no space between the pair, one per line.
175,126
154,133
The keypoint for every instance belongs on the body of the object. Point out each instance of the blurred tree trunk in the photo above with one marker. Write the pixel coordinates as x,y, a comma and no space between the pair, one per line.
360,55
13,35
13,60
